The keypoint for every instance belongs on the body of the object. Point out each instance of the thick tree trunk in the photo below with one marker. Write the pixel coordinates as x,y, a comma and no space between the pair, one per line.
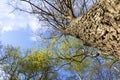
99,27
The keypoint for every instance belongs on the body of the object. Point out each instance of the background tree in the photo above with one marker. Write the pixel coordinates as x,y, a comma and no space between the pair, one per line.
37,65
78,61
82,61
9,62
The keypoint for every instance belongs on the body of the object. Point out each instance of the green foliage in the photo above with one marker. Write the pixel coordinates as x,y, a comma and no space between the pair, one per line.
68,45
30,65
12,55
61,53
36,61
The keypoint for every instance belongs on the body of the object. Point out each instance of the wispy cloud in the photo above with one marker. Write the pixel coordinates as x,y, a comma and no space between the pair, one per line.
34,23
7,29
33,38
14,21
17,21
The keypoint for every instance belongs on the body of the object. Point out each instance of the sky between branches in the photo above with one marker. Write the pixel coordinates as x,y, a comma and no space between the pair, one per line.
17,28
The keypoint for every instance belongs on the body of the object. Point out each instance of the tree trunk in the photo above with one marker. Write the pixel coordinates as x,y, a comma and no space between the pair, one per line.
99,27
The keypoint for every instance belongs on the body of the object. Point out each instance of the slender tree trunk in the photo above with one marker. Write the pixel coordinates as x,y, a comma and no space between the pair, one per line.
99,27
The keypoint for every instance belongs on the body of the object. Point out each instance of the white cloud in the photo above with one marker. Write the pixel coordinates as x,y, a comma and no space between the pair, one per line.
34,23
33,38
0,23
6,29
11,16
15,21
20,20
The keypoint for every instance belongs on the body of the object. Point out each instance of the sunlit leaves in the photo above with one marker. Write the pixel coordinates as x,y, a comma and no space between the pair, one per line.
71,55
64,53
37,60
33,63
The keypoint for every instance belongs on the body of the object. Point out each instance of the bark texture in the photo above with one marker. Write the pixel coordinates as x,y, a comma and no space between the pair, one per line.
99,27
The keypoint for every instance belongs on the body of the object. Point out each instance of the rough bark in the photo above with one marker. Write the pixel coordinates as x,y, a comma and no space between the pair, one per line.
99,27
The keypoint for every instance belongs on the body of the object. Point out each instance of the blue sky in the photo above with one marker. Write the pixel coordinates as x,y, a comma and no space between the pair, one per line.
17,28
